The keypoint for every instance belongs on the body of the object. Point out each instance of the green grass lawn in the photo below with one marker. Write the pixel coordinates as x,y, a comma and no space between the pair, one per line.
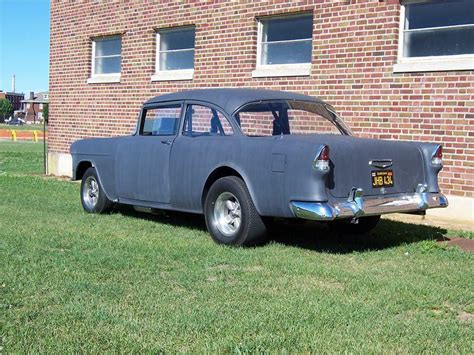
130,282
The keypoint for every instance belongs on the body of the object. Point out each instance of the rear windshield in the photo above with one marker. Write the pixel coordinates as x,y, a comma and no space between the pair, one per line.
270,118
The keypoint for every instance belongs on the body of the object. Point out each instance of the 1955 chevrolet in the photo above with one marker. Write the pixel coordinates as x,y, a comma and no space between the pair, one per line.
242,156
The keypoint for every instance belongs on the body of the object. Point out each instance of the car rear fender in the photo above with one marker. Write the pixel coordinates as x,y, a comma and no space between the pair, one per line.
431,170
229,169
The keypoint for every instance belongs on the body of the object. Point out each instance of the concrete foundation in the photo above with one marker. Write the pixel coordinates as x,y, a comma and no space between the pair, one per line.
59,164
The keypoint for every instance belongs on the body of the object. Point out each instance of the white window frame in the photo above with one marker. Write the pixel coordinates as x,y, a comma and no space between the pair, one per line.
429,63
104,78
172,75
272,70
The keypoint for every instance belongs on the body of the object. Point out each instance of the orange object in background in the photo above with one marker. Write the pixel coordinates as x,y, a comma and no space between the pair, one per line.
22,135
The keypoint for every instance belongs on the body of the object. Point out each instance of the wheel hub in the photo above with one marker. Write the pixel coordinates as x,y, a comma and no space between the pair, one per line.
91,192
227,213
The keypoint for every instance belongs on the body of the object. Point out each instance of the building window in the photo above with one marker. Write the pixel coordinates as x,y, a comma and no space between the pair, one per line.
284,45
175,54
436,35
106,59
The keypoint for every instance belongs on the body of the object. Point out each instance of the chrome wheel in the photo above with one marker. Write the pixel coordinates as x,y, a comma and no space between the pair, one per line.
90,192
227,213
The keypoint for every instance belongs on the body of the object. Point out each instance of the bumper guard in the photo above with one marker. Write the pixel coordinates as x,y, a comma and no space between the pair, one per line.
357,206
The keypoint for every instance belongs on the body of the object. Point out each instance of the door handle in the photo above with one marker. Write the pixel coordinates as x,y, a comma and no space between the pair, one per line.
166,142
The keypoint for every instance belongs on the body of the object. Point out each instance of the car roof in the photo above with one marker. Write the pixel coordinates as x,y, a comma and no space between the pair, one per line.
230,99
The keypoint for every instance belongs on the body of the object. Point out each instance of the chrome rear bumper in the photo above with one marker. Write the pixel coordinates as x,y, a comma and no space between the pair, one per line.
357,205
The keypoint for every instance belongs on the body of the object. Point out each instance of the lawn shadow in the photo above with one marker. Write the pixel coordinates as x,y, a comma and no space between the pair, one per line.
318,237
172,218
311,235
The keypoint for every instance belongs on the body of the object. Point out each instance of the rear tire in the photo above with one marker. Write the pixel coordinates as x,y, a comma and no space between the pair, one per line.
365,225
231,216
93,197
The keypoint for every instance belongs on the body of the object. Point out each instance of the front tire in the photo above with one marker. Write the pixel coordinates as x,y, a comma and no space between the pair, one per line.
93,197
231,217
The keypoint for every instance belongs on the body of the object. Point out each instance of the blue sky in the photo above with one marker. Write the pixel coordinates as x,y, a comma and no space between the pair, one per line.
24,44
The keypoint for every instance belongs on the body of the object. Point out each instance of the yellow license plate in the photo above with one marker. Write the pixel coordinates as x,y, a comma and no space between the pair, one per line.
382,178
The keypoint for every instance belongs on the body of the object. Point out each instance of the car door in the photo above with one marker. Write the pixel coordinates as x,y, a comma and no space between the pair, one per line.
143,159
207,140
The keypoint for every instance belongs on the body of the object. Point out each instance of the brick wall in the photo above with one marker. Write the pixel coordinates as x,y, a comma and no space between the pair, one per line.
354,49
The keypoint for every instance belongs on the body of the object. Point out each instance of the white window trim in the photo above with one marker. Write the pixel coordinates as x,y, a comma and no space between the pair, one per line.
172,75
263,71
431,63
168,75
273,70
102,78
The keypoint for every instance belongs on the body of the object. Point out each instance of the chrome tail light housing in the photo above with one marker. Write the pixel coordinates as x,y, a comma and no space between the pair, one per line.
437,157
321,161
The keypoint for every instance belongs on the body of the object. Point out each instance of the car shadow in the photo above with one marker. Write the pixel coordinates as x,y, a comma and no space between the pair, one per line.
311,235
388,234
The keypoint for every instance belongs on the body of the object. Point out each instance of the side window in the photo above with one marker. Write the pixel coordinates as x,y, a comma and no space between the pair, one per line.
205,121
161,121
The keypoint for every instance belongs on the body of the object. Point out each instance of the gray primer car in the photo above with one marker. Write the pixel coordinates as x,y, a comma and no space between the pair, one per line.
201,151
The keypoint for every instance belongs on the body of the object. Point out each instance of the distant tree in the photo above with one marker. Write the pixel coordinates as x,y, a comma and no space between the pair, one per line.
6,108
46,112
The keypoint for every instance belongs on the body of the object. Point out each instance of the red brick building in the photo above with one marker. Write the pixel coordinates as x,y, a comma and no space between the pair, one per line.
34,105
393,71
14,97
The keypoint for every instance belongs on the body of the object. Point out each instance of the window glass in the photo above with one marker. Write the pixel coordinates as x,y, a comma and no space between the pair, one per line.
162,121
439,13
176,60
288,117
286,40
176,49
441,27
286,53
287,28
107,55
205,121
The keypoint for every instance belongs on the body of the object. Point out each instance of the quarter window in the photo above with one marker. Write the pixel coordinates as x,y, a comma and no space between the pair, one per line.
438,28
162,121
106,55
175,49
285,40
205,121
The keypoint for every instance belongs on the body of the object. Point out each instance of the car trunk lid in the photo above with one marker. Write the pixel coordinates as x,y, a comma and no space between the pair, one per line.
354,162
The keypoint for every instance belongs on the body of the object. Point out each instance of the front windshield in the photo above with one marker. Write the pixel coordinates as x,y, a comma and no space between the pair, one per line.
271,118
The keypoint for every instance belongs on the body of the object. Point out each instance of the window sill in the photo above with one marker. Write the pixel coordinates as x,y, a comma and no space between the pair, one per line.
99,79
431,64
172,75
282,70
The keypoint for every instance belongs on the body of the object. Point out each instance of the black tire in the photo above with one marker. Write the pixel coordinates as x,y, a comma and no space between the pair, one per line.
93,197
249,231
365,225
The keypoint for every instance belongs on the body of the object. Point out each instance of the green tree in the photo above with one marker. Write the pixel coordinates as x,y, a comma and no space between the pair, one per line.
46,112
6,108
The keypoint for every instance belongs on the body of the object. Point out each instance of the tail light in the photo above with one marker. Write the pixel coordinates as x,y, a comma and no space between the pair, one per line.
437,158
321,162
